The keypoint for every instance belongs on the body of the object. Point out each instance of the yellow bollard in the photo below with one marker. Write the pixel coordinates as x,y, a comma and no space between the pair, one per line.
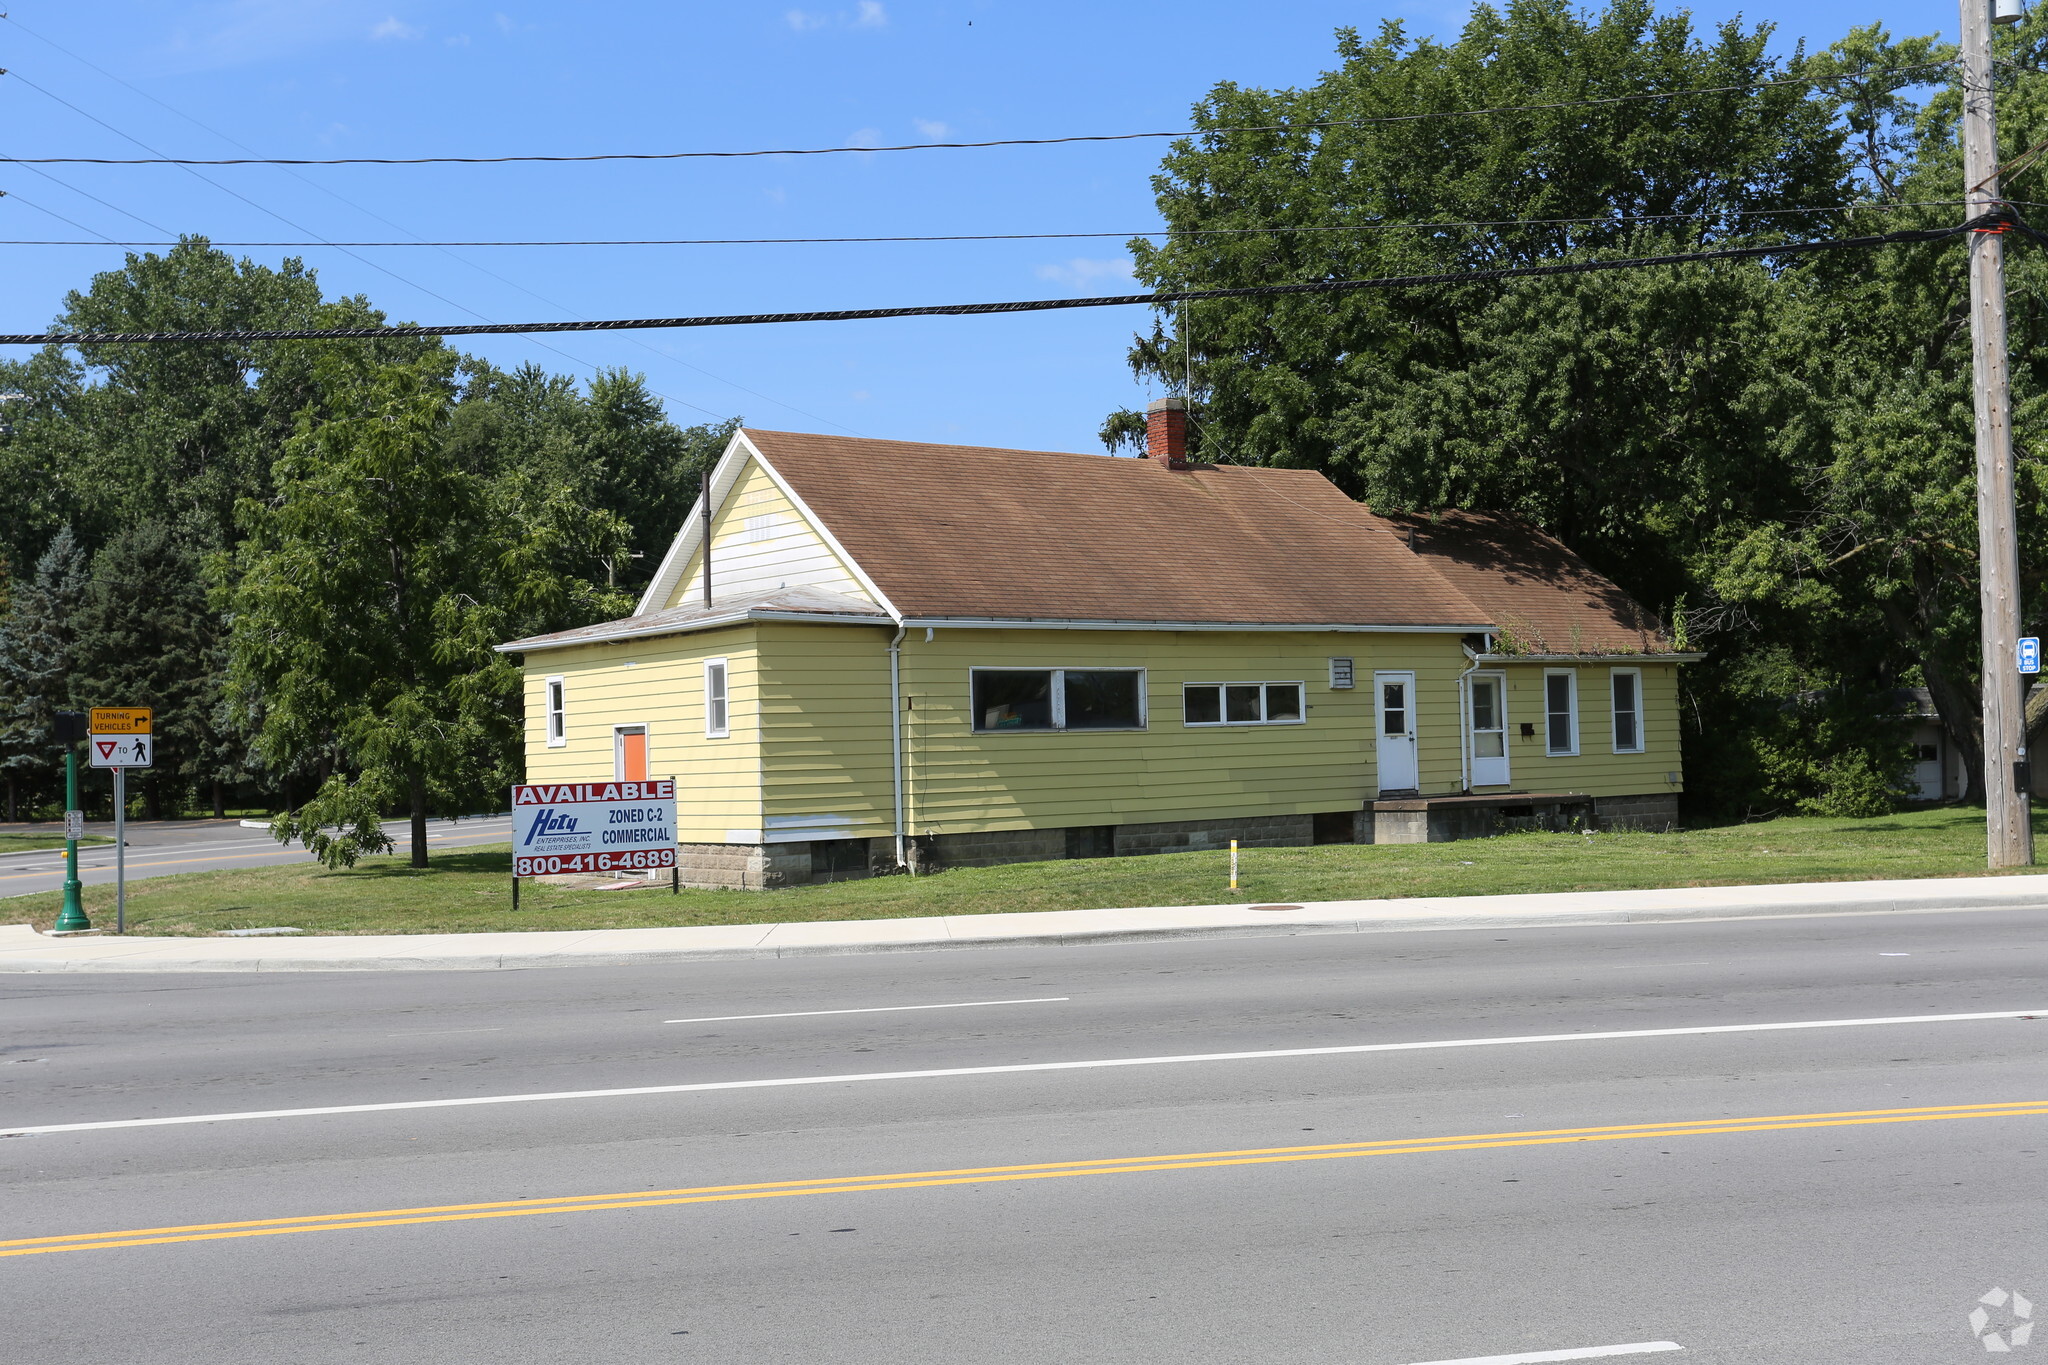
1233,864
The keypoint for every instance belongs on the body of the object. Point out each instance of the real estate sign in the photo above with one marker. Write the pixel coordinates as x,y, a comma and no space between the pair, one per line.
593,827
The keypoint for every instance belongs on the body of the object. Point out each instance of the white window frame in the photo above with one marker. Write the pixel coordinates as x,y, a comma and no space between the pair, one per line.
1343,673
721,728
555,704
1614,728
1059,698
1571,677
1301,690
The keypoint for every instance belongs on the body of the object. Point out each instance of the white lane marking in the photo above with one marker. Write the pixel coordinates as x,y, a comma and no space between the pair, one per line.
1010,1070
1633,1348
876,1009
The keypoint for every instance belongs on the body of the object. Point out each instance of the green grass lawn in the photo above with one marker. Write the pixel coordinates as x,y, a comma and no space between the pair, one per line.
470,890
11,842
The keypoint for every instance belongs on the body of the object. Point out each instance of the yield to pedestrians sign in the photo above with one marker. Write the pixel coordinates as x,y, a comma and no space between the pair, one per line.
121,751
120,737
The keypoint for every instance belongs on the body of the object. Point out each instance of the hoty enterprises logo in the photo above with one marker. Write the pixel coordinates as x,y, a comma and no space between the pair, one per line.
2013,1326
547,822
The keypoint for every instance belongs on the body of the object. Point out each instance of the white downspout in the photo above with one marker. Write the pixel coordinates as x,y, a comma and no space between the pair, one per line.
1465,721
896,736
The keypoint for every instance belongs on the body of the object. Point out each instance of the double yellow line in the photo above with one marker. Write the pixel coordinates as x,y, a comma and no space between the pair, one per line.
981,1175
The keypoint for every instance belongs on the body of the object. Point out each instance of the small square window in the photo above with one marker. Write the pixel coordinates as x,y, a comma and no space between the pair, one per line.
1342,675
1243,703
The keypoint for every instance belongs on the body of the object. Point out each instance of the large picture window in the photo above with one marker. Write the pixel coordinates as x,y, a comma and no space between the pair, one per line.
1273,703
1058,699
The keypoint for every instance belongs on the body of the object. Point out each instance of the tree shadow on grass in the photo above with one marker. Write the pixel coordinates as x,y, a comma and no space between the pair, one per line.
387,868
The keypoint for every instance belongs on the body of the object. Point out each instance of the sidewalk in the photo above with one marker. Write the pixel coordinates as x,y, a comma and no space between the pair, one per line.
22,949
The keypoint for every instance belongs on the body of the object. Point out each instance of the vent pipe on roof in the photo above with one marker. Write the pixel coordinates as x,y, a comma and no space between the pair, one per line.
1166,432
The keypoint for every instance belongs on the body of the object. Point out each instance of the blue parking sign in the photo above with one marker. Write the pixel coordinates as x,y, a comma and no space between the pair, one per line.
2030,654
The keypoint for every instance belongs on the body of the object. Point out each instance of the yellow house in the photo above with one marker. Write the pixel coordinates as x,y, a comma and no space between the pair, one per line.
900,655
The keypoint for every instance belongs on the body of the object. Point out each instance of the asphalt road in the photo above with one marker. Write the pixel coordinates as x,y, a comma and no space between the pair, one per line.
159,848
1759,1194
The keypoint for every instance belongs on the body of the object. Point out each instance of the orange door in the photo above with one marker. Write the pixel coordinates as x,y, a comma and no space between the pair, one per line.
633,755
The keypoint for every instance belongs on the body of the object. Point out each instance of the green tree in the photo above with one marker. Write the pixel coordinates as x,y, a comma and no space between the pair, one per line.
369,591
611,447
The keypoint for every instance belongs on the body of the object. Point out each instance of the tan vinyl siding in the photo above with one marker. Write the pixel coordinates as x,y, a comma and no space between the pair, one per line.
760,542
1596,770
961,781
658,683
825,743
809,754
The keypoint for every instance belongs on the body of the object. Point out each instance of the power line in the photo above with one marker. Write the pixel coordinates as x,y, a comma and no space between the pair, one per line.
1988,222
1609,100
1605,219
574,360
104,240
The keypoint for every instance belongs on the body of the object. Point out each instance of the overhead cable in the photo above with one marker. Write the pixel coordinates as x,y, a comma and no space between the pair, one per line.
1613,220
1990,222
1320,125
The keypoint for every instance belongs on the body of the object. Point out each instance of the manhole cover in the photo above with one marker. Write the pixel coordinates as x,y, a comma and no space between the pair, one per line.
1276,907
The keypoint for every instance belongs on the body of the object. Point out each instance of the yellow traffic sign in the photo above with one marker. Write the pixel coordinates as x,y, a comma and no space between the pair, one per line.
121,720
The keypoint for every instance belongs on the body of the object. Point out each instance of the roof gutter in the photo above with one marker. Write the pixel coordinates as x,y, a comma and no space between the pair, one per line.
731,618
1673,657
1086,623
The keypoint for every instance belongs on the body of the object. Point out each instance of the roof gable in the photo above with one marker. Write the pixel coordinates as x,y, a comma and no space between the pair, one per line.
763,540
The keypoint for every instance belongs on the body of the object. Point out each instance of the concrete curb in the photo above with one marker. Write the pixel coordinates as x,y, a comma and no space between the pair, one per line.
22,949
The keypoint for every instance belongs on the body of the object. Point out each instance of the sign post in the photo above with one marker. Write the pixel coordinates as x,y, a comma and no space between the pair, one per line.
120,739
71,919
592,827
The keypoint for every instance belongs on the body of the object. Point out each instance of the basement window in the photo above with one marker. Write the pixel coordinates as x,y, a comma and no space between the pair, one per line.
1258,703
1058,699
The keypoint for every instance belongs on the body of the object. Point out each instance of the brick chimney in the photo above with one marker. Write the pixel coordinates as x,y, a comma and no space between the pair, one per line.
1166,432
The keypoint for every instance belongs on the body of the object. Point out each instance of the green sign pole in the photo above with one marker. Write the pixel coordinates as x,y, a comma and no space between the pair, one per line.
72,918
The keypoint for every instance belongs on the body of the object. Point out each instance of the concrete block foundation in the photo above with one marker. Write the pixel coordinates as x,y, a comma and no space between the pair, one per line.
1417,820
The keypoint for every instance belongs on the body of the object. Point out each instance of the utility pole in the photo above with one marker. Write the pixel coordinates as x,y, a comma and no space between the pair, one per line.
2009,832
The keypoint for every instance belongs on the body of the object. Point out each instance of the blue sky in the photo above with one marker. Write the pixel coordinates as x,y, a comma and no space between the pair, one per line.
416,77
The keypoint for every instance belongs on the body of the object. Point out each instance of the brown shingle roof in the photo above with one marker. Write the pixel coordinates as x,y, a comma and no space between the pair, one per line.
966,531
1544,598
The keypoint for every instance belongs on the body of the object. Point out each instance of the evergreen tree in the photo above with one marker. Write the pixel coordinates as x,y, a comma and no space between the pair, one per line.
38,665
147,637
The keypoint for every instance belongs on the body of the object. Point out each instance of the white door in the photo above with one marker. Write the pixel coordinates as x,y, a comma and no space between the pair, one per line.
1488,692
1396,742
